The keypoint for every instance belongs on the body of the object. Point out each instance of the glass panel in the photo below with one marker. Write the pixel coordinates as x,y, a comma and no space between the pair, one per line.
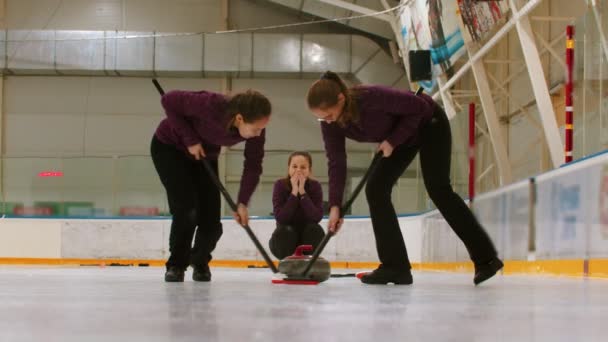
33,186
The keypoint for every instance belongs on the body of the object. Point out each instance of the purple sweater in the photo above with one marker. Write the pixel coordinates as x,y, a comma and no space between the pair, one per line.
290,209
384,114
200,117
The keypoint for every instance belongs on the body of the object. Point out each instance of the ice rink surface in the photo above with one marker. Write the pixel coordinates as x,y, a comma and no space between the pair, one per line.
135,304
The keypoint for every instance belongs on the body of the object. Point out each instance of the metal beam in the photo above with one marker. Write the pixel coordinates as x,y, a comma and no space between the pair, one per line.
551,18
446,98
357,9
491,116
545,44
539,87
457,105
522,109
524,67
502,61
464,91
517,16
483,131
484,173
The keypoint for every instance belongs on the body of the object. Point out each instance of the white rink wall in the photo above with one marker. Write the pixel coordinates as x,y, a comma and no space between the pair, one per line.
562,214
148,239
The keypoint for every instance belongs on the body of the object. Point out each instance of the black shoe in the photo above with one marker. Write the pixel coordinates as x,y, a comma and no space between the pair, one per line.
383,275
201,273
174,274
486,271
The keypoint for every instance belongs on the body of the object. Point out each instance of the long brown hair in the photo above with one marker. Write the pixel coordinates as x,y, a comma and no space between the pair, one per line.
295,154
324,94
251,104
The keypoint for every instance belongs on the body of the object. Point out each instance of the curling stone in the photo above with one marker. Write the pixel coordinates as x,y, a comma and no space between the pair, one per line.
294,265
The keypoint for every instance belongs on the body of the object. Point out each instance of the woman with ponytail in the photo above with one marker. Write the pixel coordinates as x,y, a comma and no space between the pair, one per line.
197,125
403,124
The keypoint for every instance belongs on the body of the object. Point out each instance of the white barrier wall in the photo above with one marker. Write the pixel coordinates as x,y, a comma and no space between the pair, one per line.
121,239
439,242
572,211
505,214
569,217
22,238
148,239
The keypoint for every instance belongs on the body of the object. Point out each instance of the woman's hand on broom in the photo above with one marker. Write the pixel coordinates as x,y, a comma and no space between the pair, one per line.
335,222
241,216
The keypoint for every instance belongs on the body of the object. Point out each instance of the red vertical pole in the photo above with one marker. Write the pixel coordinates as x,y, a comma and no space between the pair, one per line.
471,151
569,89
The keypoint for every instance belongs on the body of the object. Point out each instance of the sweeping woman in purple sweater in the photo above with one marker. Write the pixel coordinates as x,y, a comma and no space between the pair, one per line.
404,124
196,126
297,201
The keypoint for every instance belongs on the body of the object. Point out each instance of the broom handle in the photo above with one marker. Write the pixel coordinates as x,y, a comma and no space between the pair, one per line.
343,211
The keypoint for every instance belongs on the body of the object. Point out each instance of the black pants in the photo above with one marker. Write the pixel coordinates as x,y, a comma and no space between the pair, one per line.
435,154
286,238
194,201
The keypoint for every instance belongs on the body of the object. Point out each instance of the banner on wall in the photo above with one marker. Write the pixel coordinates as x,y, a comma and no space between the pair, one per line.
569,214
138,211
479,17
435,25
561,215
